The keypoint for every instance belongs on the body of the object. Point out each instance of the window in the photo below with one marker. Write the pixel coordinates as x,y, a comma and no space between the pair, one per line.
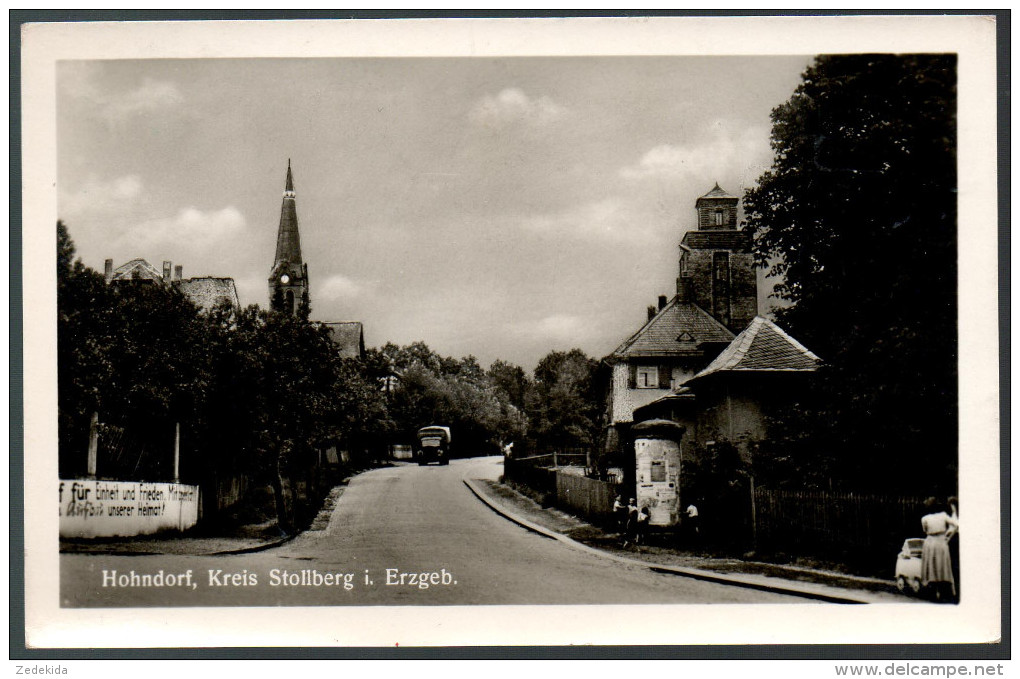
721,265
718,217
647,377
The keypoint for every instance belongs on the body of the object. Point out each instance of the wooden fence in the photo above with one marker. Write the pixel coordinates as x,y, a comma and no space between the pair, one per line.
858,528
523,471
555,459
591,498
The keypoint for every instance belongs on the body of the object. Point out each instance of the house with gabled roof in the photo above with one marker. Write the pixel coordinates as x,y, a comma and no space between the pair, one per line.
716,296
206,292
348,336
675,344
761,372
135,270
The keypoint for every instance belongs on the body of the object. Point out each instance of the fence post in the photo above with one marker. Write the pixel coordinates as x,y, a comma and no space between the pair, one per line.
177,453
555,463
754,517
93,445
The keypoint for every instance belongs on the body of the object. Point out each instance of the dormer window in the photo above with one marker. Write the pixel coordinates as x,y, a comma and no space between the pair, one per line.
685,337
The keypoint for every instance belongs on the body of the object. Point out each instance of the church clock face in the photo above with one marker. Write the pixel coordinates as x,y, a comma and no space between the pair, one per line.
285,279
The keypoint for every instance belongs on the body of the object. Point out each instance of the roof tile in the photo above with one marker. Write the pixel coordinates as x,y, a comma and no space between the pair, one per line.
762,346
348,336
666,334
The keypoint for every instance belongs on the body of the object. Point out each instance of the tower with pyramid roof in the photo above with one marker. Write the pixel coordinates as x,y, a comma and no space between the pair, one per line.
717,297
717,269
288,280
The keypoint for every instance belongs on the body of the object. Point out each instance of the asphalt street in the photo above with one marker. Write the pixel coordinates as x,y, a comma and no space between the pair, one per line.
402,536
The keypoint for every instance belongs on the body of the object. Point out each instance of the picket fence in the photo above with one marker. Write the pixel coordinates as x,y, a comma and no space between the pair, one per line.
869,528
590,498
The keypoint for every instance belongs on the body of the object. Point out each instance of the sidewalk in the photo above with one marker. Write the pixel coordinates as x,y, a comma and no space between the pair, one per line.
807,582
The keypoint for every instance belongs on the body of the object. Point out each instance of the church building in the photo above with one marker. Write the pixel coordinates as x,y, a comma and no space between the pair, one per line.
716,298
288,280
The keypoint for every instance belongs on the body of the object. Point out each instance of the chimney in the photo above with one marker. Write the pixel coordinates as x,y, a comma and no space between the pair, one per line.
685,289
167,266
651,311
662,302
178,272
108,270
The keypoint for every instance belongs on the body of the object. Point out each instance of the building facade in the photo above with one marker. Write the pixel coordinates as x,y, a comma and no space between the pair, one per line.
206,292
717,296
717,269
758,375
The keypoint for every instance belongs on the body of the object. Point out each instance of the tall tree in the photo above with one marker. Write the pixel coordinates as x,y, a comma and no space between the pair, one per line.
857,220
85,358
564,406
511,380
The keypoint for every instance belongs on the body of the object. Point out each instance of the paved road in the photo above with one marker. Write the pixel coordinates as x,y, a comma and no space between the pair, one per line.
403,520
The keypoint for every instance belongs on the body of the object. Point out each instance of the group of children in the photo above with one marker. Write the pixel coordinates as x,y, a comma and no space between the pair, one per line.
632,521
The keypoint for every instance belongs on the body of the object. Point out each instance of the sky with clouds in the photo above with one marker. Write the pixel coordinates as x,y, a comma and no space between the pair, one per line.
498,207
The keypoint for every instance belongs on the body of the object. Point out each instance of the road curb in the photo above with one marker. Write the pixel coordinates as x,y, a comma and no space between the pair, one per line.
256,548
694,573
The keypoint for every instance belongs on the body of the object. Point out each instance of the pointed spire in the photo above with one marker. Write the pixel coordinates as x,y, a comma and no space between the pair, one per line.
288,241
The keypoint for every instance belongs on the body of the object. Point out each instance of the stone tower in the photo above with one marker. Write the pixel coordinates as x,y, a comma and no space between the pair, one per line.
288,281
716,263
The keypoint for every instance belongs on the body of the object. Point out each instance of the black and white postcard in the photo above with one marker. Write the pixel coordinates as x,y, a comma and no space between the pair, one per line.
464,332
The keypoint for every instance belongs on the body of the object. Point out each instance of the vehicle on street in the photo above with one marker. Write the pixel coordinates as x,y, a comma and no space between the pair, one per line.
908,566
433,445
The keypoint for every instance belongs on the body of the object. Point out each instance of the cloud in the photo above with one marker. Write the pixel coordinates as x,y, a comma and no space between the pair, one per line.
339,287
556,328
513,107
197,228
121,208
715,155
81,81
96,196
151,95
608,219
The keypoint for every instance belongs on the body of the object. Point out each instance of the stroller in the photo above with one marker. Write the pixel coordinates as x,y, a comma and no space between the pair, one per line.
908,566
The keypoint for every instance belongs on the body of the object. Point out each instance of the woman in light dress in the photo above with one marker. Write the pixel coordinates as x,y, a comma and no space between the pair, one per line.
936,562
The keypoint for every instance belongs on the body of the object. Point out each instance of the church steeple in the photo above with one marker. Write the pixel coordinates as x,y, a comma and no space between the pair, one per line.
288,240
288,281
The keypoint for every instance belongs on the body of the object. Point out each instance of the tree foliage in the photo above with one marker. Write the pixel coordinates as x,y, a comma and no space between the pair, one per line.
557,408
441,390
564,407
256,392
857,220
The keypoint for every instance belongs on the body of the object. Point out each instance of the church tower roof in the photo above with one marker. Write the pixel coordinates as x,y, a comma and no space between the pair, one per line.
288,241
718,192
